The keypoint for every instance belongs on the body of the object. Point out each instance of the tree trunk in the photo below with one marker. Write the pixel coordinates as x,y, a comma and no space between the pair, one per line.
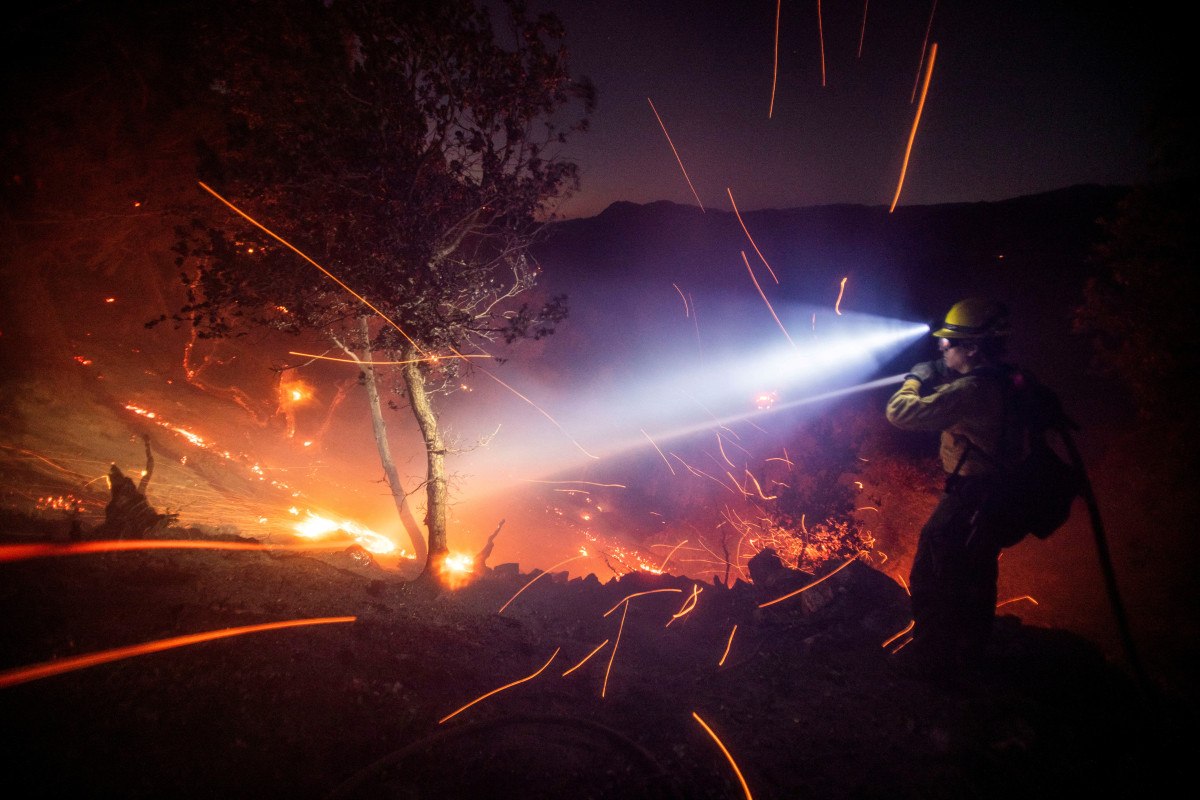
385,451
435,452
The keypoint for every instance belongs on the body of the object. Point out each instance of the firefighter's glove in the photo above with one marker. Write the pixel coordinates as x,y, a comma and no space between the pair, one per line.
927,372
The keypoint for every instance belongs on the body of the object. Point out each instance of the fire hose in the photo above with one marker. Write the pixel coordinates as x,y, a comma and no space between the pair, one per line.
1106,566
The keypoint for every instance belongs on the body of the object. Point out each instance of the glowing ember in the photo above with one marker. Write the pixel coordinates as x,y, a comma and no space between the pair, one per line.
317,527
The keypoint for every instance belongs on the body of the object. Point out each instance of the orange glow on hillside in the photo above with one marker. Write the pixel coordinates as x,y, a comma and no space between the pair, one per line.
314,526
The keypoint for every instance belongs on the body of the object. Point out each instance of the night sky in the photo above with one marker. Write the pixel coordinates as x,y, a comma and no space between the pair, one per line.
1025,97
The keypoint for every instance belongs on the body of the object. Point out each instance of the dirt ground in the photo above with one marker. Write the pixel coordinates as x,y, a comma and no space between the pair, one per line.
802,693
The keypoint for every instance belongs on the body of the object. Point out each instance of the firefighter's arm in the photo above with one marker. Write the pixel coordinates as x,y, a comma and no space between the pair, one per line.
908,410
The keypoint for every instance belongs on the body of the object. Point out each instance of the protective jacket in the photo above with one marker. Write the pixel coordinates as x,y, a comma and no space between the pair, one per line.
969,411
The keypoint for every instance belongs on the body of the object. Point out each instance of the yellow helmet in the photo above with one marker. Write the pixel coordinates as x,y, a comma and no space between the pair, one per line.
974,318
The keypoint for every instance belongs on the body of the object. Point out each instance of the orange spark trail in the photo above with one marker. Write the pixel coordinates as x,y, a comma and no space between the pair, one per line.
297,251
687,606
897,635
821,35
837,306
684,299
765,300
722,450
699,473
585,658
21,552
758,488
613,654
924,44
584,483
862,34
639,594
376,363
809,586
916,121
753,244
728,645
668,558
48,669
725,750
676,152
1017,600
501,689
32,454
660,452
536,578
775,74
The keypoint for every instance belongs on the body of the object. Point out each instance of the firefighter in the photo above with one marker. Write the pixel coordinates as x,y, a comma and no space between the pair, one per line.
954,572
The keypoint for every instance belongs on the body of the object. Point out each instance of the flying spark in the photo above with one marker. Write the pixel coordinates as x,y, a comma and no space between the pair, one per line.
22,552
662,568
687,606
924,44
837,306
916,121
48,669
775,74
765,300
676,152
627,598
501,689
728,755
728,645
821,36
1017,600
746,230
660,452
537,577
586,658
613,654
898,634
863,33
806,587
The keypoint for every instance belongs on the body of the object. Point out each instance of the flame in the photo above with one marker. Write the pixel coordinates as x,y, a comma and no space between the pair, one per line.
314,526
456,569
295,392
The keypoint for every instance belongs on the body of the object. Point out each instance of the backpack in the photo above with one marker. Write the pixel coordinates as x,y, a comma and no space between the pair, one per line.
1034,493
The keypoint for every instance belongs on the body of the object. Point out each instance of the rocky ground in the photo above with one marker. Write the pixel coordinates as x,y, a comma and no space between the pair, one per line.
807,701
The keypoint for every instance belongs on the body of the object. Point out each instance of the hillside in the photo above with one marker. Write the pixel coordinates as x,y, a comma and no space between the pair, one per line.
805,699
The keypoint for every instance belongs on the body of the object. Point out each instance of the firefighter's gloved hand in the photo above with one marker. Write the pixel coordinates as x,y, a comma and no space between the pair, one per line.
927,372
